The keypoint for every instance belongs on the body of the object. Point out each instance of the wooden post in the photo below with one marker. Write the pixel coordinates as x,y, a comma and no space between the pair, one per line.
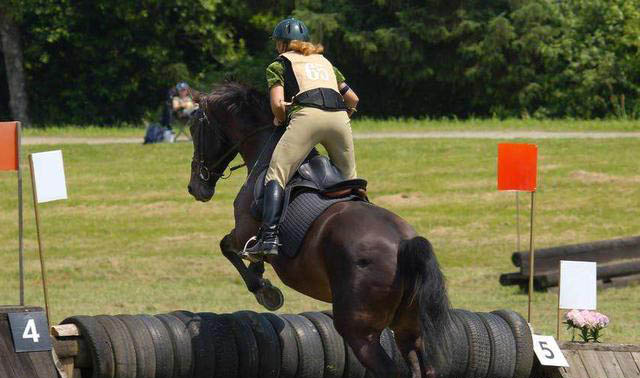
559,310
518,219
40,249
20,216
531,257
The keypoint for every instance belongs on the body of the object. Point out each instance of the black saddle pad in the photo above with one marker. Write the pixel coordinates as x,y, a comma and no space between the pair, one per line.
299,216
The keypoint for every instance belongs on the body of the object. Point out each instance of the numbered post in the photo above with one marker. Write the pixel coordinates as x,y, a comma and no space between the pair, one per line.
548,351
30,331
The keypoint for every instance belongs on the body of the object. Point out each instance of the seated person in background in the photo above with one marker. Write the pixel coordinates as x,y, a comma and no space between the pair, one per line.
183,104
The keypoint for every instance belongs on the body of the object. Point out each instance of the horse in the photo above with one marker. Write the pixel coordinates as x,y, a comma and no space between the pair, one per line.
367,261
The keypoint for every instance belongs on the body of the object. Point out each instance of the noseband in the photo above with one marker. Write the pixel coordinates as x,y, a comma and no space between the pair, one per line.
204,172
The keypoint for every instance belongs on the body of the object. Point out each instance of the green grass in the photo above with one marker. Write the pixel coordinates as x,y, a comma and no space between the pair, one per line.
363,124
130,239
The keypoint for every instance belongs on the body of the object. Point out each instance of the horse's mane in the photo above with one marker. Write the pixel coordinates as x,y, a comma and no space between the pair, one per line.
242,101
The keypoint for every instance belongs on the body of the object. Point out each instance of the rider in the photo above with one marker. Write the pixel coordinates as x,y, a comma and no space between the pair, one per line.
183,104
310,98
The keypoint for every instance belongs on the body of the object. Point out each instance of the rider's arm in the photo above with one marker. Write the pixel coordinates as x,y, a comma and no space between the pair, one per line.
176,104
350,97
276,93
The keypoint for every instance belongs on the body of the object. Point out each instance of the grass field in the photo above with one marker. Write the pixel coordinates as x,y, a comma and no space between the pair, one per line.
130,239
365,124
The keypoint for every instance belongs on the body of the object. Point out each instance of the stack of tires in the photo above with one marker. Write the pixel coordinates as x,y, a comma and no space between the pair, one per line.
246,344
496,345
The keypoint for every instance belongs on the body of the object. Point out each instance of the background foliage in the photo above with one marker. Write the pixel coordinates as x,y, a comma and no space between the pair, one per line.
112,61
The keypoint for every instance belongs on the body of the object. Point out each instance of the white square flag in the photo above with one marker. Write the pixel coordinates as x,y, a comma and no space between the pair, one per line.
48,173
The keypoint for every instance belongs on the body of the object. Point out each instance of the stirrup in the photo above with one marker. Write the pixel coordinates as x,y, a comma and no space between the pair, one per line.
258,255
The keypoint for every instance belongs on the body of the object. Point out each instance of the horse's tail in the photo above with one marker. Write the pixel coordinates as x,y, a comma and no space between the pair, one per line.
425,283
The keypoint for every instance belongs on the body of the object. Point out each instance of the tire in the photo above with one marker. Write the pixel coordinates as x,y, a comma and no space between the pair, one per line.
352,366
248,362
268,344
143,344
459,347
288,345
503,346
124,351
479,344
524,343
192,323
205,347
162,345
332,344
310,352
181,341
226,348
99,345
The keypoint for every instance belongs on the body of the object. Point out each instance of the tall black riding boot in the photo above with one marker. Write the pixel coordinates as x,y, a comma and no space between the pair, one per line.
268,241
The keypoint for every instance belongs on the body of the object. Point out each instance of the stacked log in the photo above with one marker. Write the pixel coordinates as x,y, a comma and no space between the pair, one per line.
618,263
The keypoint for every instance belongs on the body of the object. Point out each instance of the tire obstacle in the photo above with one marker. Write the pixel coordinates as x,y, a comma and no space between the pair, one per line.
245,344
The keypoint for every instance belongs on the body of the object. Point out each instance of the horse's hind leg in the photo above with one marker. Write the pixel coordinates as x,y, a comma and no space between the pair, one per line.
366,346
361,325
406,328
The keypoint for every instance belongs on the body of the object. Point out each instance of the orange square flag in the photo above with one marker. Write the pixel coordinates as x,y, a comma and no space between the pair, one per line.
9,146
517,166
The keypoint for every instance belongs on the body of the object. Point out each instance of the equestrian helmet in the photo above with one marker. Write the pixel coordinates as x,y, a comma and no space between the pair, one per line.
182,85
291,29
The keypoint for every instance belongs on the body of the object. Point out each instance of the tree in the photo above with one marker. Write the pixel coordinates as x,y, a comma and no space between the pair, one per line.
13,61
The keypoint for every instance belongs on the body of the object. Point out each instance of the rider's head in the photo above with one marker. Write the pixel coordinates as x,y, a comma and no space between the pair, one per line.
292,34
182,88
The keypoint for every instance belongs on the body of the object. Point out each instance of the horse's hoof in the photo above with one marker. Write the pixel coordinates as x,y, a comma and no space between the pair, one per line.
270,297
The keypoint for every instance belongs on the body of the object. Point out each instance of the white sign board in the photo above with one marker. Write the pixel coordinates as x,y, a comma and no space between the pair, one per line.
48,173
548,351
578,281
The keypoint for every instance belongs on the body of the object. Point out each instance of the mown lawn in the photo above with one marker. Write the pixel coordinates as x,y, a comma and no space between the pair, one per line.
366,124
130,239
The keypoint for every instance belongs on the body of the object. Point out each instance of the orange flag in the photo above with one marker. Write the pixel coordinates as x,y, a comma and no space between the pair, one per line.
517,166
9,146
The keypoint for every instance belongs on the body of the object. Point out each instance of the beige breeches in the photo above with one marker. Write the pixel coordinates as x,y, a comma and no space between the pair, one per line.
307,128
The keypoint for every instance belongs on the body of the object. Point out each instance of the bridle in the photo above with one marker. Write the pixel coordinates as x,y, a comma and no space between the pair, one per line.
204,172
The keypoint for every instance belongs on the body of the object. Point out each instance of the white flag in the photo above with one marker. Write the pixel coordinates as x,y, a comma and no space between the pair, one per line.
578,285
48,172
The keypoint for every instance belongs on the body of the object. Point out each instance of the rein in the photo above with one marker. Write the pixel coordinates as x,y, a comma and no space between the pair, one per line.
205,173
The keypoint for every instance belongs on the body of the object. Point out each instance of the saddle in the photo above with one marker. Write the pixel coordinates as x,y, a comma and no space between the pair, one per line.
316,185
316,174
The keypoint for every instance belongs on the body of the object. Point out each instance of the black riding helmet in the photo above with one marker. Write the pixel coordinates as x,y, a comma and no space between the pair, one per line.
291,29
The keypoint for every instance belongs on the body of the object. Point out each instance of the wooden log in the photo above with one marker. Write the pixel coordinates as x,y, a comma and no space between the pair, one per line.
605,272
510,279
600,251
65,330
569,345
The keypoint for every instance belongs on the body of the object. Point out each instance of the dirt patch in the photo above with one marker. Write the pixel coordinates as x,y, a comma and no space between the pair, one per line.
401,200
598,177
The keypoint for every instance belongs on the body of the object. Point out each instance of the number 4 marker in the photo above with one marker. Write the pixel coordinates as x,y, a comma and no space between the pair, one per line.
30,331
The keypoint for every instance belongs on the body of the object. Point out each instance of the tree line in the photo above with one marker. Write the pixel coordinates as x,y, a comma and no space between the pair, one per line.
112,61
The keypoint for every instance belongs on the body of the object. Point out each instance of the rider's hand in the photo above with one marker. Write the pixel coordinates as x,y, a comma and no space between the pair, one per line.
276,122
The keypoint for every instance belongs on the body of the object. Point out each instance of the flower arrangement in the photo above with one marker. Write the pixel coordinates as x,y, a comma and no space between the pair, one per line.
589,323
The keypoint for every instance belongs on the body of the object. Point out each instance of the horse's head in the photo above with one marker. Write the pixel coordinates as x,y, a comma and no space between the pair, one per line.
225,115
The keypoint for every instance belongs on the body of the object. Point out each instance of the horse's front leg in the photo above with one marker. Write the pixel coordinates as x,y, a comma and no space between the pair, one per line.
266,294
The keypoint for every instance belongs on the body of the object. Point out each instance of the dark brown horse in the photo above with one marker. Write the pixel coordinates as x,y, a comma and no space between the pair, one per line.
364,259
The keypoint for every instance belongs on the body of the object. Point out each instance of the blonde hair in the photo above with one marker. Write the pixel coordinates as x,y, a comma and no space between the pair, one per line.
305,48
